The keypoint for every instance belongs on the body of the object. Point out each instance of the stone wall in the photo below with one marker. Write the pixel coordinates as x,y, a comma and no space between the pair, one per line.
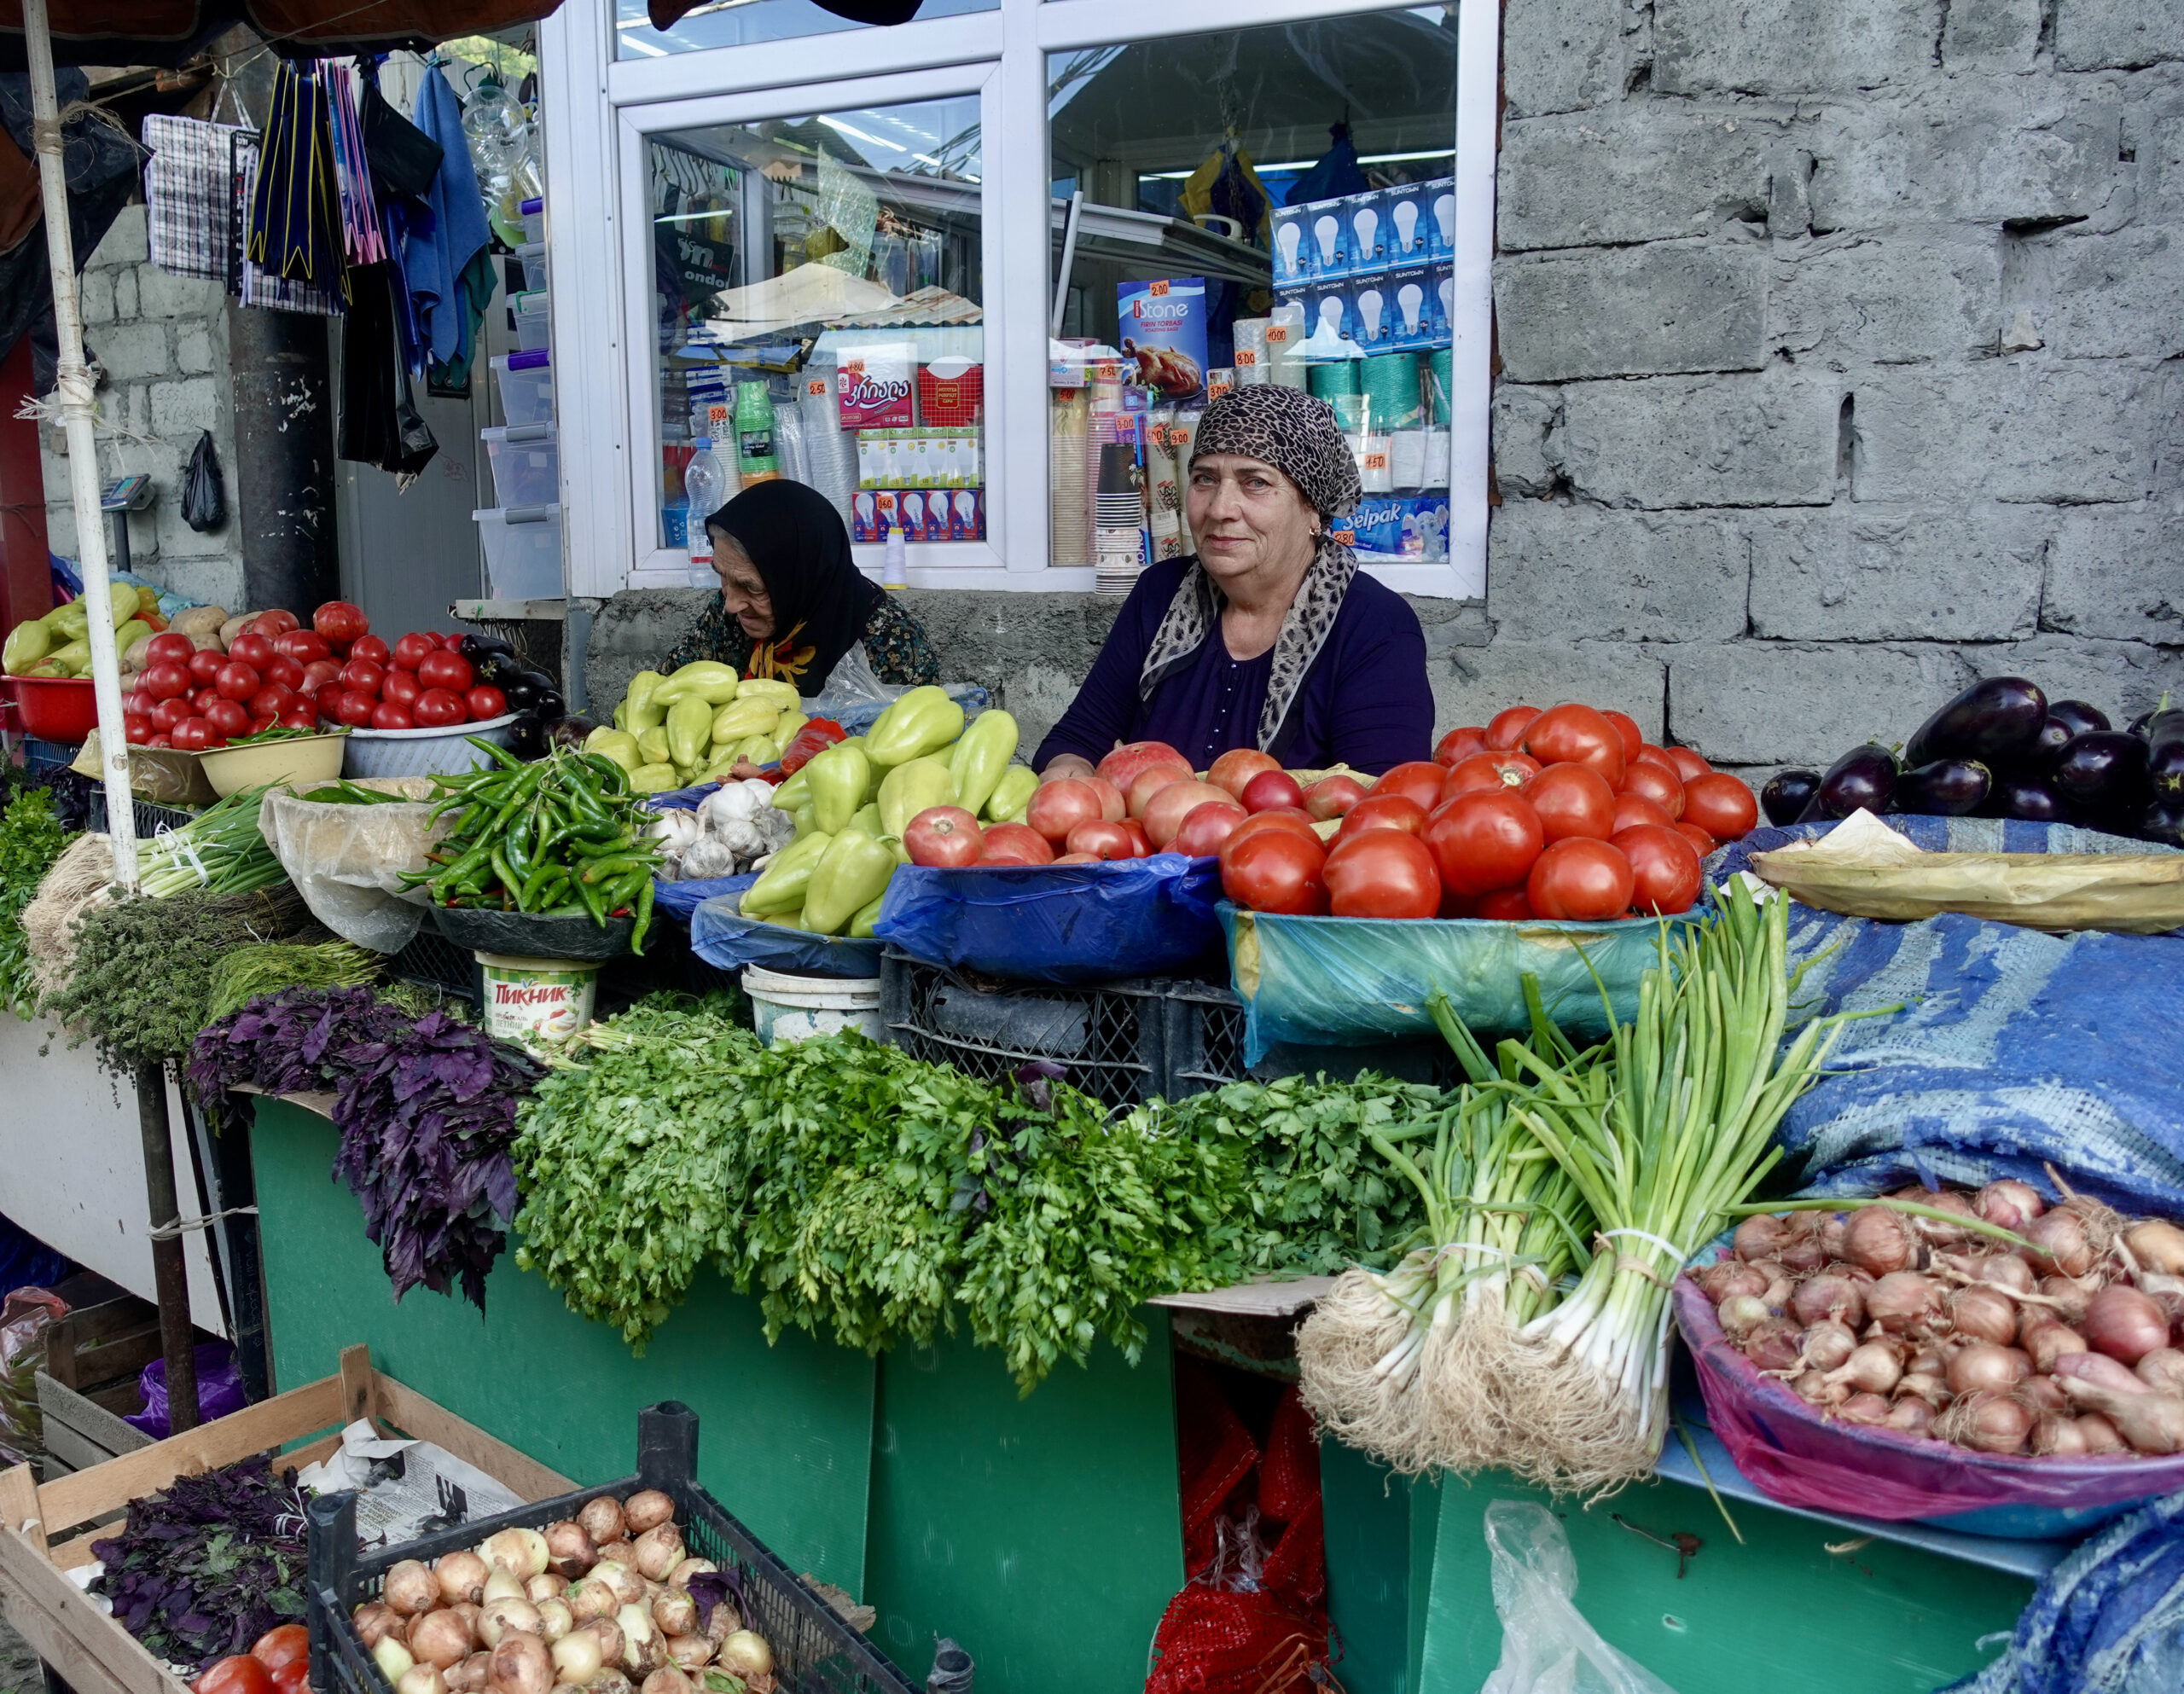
162,342
1843,355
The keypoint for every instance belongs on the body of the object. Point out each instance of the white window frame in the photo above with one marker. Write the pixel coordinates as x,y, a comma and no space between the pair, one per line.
599,110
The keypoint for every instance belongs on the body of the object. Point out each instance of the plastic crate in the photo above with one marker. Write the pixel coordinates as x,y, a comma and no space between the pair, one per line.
150,818
523,551
41,756
525,460
816,1651
532,254
525,381
533,321
1203,1046
432,961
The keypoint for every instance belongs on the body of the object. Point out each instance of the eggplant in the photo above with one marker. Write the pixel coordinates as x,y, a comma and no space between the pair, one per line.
521,695
525,740
547,705
566,731
1946,788
2163,822
2139,724
2165,753
1865,776
2103,771
496,667
2078,716
1787,793
2028,798
475,647
1996,722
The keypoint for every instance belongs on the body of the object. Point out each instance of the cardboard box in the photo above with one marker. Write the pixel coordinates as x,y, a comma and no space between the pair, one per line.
1327,235
1367,215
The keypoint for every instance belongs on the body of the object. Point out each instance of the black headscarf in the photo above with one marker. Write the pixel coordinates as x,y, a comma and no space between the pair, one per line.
821,602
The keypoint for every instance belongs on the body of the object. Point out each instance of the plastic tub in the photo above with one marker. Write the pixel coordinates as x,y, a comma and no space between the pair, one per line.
525,381
533,212
533,255
527,461
523,551
56,708
533,323
537,1000
422,752
785,1008
295,759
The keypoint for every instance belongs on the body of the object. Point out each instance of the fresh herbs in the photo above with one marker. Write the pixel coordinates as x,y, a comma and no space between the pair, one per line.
204,1568
267,967
31,838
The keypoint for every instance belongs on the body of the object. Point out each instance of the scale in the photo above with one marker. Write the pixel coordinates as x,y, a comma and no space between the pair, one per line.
130,493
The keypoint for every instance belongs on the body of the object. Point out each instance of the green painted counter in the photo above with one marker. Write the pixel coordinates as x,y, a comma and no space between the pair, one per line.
1043,1534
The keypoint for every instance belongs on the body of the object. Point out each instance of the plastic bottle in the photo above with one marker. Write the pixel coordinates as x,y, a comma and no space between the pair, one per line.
755,458
895,572
705,482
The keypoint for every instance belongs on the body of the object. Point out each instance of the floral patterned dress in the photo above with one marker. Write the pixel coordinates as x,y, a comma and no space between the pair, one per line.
895,643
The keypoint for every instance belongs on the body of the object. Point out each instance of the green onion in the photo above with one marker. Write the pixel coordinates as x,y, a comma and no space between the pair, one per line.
219,850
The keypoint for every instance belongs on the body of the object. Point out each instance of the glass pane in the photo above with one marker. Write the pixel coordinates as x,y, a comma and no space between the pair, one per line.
818,284
1269,204
738,23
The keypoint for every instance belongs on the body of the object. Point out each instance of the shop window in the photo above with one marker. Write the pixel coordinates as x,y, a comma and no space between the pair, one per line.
740,23
1266,205
817,289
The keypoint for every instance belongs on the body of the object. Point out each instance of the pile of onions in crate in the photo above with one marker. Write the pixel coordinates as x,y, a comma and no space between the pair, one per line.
2064,1345
609,1602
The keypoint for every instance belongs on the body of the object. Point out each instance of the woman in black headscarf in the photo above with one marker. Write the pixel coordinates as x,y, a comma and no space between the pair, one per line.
793,603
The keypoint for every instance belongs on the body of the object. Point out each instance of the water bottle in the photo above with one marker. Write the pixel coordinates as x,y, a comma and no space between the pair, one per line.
894,572
704,482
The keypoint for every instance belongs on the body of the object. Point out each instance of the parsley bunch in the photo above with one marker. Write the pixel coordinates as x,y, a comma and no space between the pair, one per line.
31,838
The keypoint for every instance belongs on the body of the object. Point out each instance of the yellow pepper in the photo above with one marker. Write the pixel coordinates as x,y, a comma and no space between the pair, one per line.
793,792
28,643
924,721
653,744
909,789
781,886
639,710
1012,794
861,924
852,873
838,785
981,754
704,679
781,696
653,778
690,727
618,745
790,722
67,622
740,719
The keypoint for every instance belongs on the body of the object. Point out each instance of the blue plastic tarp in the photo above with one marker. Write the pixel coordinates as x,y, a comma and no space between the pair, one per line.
727,939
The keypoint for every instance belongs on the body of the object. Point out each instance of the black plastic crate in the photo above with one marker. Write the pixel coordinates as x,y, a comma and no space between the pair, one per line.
1204,1049
41,756
431,960
815,1649
150,818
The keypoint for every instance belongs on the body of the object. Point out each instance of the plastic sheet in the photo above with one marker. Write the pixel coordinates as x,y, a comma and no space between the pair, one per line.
1547,1645
1061,923
28,1314
219,1390
1352,982
345,861
1793,1454
727,939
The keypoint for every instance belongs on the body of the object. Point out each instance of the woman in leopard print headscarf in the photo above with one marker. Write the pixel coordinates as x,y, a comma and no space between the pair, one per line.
1269,637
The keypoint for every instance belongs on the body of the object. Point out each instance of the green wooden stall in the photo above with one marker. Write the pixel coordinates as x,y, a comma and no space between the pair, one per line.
1044,1533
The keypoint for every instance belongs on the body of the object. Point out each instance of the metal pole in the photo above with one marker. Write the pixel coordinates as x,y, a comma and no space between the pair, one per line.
1068,263
74,388
170,1270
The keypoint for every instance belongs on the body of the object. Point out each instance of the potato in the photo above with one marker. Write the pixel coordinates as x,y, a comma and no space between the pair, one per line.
205,643
199,620
134,659
232,628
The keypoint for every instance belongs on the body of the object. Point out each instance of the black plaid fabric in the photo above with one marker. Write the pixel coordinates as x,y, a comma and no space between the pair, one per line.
188,198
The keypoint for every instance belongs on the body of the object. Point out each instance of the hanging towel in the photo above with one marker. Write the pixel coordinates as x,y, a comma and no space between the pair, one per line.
447,258
294,230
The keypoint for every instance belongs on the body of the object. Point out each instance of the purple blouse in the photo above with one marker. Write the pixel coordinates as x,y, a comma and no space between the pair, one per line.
1365,702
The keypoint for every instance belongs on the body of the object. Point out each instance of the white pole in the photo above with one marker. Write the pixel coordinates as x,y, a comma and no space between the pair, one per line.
74,387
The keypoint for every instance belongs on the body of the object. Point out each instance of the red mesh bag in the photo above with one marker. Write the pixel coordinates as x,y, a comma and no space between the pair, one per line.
1289,1470
1214,1452
1297,1569
1211,1641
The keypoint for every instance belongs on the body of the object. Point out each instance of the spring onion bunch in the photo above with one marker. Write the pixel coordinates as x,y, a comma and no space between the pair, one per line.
220,850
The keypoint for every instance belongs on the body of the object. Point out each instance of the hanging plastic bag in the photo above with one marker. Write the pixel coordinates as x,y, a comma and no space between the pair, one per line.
28,1314
1547,1645
204,493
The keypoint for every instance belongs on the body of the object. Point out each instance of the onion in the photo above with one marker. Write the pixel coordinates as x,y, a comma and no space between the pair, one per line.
1988,1422
471,1614
1984,1367
461,1576
660,1550
1828,1298
692,1653
1817,1388
1774,1345
1910,1414
2148,1422
674,1612
2157,1244
1926,1358
608,1634
1831,1235
1874,1368
1877,1239
2163,1369
502,1584
611,1681
680,1576
2047,1341
2101,1435
746,1654
1863,1408
2100,1371
1935,1232
601,1520
2059,1243
2042,1393
2166,1291
569,1550
2053,1432
424,1678
392,1659
1759,1237
1983,1313
2010,1203
1803,1254
1904,1300
555,1620
546,1585
373,1622
410,1587
577,1656
523,1551
522,1665
642,1648
2124,1323
2068,1297
2004,1271
506,1617
647,1511
629,1587
1729,1278
471,1676
441,1638
591,1598
1779,1284
1826,1346
619,1553
669,1679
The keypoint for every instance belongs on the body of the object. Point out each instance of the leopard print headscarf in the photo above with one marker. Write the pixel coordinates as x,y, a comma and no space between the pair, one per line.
1295,433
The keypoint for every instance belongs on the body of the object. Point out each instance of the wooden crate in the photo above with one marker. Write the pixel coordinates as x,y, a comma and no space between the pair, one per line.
81,1431
45,1532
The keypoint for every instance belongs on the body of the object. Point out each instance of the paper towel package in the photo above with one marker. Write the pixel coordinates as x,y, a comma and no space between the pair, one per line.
1367,215
1292,247
1417,316
1408,212
1328,236
1403,526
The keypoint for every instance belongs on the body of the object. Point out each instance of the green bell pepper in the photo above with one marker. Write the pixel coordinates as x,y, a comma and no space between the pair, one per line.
981,754
851,874
781,696
640,713
909,789
1012,794
657,778
702,679
867,820
807,819
655,746
795,792
759,749
861,924
924,721
838,778
781,886
690,725
617,745
28,643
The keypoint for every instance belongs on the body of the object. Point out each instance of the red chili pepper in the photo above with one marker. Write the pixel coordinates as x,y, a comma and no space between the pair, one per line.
806,744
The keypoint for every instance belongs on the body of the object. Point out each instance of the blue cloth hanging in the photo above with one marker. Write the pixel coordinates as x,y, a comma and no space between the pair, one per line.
446,257
1333,173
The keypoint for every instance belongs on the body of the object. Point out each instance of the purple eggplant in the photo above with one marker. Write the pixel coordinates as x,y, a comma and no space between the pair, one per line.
2165,754
1787,793
2139,725
2103,773
2026,798
2080,716
1946,788
2163,822
1996,722
1865,776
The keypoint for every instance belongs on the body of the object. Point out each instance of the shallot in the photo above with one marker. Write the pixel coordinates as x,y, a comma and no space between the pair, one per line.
2163,1369
1874,1368
1876,1239
1904,1300
1730,1278
2148,1422
1817,1388
2068,1297
1825,1296
1863,1408
1826,1346
2158,1245
1740,1314
2053,1432
1936,1233
2010,1205
2059,1243
1759,1237
1779,1284
2042,1393
2099,1370
1984,1367
2124,1323
1774,1345
1990,1422
2100,1435
1910,1414
2047,1341
1983,1313
2004,1271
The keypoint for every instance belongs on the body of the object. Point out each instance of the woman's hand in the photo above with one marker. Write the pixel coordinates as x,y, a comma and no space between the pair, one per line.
1065,764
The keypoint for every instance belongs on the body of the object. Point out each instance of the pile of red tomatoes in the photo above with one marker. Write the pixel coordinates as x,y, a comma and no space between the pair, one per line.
276,672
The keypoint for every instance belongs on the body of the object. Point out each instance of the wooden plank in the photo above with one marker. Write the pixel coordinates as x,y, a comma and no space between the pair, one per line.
19,1504
426,1421
357,1387
1265,1299
300,1412
90,1421
68,1451
92,1653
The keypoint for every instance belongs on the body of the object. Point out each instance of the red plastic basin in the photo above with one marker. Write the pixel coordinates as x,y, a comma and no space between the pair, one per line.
56,708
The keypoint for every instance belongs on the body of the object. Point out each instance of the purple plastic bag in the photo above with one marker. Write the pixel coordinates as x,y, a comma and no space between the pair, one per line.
219,1390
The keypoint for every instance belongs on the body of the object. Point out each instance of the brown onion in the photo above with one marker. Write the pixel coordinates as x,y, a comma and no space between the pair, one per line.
422,1678
2163,1369
2010,1203
2101,1435
674,1612
1877,1239
1989,1423
646,1511
1874,1368
440,1638
555,1620
610,1681
1982,1312
410,1587
690,1652
601,1520
668,1679
660,1550
2157,1244
629,1587
1904,1300
523,1551
2053,1432
547,1585
618,1552
2059,1243
471,1676
2124,1323
2047,1341
680,1576
569,1549
578,1657
593,1597
373,1622
1834,1298
471,1614
461,1576
1985,1368
1863,1408
504,1618
746,1655
608,1634
1773,1345
2042,1393
522,1665
1729,1278
1826,1346
1910,1414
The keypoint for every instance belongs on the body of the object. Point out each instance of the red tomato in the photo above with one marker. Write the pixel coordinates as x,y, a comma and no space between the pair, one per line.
1459,744
1648,780
137,728
1138,837
1663,866
1720,804
943,835
201,698
1632,809
242,1675
1627,727
281,1645
1572,799
1506,906
1237,766
1058,807
373,648
437,709
1166,812
409,650
1382,811
1274,870
1580,878
205,665
166,680
284,670
1576,734
191,734
1332,797
169,712
1420,781
1505,732
1150,781
299,717
1687,763
293,1677
1288,819
1080,859
353,708
251,649
273,625
1205,830
326,696
1124,766
303,645
318,673
1697,837
1114,807
1100,838
485,702
271,700
1647,753
1488,770
264,723
168,648
237,681
1382,873
389,714
402,686
1014,843
228,717
1271,789
1483,841
364,677
161,739
444,670
339,624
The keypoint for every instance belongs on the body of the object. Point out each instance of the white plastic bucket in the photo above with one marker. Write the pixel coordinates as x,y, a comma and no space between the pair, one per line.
789,1008
538,1000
